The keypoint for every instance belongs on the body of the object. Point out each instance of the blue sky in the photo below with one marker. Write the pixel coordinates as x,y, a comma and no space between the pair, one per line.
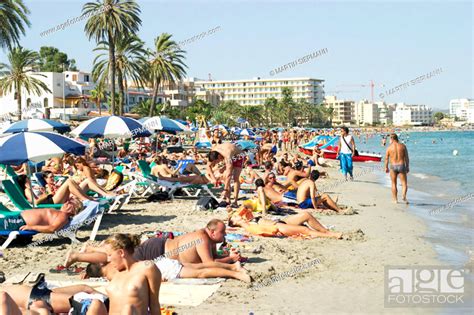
387,42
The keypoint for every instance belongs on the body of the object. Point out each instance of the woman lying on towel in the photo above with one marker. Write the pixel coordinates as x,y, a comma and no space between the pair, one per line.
288,226
42,299
170,268
292,225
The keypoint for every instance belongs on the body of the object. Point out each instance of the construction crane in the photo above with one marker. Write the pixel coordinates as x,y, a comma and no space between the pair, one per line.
371,85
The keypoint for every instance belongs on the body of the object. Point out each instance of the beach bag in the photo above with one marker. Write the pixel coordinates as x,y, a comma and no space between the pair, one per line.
207,203
158,196
114,180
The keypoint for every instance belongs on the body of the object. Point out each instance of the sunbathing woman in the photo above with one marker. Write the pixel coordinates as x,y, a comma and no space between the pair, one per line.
135,288
86,179
67,190
39,299
288,226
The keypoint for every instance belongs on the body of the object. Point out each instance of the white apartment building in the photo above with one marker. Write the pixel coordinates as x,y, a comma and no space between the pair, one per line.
462,109
366,113
413,115
386,113
256,91
68,92
343,113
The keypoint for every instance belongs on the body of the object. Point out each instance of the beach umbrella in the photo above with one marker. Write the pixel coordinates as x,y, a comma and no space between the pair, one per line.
162,123
245,144
36,147
111,127
235,129
37,125
245,132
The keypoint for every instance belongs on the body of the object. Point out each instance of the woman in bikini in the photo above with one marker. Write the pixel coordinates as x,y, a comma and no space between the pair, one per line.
56,196
40,300
292,225
85,177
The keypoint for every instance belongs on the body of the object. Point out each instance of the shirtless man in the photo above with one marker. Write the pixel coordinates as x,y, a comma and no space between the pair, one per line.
234,161
397,154
205,249
294,176
135,288
267,151
42,220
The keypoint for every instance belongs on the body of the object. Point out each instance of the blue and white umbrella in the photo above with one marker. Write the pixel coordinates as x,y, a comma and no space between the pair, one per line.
245,144
245,132
235,129
161,123
37,125
36,147
111,127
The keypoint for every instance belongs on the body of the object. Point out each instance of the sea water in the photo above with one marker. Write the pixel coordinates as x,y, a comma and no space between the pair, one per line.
440,179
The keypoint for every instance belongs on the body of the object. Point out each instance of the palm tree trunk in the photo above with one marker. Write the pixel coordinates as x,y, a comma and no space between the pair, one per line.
18,98
126,93
121,94
153,99
112,72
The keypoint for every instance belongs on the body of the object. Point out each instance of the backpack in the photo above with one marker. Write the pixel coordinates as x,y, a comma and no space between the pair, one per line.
207,203
158,196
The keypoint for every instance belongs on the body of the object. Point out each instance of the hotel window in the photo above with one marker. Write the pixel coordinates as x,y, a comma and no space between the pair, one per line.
86,78
74,77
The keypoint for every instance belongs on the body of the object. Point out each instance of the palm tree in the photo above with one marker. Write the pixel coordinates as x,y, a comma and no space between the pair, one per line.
98,94
18,76
13,14
166,64
130,62
270,107
143,107
109,20
253,114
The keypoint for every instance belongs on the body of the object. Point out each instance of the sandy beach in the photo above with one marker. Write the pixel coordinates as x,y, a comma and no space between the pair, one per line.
347,277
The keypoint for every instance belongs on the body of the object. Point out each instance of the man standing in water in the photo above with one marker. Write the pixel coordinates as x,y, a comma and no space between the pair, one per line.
397,153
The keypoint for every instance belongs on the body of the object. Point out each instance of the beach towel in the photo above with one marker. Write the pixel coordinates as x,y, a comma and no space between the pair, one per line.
235,237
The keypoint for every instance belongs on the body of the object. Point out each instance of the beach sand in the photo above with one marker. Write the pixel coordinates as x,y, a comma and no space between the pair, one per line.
348,278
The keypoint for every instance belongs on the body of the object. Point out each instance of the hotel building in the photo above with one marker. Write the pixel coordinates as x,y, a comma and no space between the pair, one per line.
412,115
256,91
462,109
343,113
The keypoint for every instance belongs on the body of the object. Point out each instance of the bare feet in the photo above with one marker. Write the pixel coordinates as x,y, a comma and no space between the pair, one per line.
237,266
243,276
70,258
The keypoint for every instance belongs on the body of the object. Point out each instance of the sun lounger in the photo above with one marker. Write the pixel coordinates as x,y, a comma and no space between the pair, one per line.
117,203
192,190
18,198
93,212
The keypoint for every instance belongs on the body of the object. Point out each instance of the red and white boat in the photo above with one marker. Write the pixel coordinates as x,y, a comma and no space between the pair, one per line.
329,150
